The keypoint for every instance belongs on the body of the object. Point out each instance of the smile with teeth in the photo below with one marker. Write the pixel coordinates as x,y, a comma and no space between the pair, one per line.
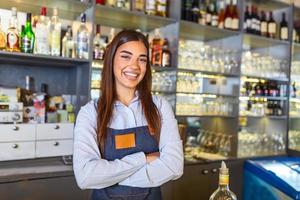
131,75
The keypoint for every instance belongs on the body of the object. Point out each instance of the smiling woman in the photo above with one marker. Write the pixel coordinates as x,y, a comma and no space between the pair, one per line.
126,144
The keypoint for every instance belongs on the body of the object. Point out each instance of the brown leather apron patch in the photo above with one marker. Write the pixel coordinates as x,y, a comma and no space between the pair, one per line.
125,141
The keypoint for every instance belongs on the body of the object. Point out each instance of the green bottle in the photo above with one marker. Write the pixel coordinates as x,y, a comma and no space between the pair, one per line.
27,36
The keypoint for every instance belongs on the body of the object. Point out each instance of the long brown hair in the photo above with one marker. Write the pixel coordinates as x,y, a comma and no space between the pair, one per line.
108,89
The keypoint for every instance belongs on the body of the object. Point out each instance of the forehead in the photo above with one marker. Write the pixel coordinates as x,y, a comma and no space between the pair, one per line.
133,47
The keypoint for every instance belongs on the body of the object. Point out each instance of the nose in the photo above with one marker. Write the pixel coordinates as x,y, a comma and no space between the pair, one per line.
135,63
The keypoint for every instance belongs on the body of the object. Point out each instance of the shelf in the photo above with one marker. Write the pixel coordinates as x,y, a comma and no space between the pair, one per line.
265,116
206,116
256,41
269,5
163,92
263,97
264,78
39,60
207,94
195,31
115,17
161,69
68,9
208,72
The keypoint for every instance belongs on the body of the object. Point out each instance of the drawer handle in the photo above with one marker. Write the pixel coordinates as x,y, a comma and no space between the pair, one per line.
56,127
205,171
15,146
214,170
15,128
56,144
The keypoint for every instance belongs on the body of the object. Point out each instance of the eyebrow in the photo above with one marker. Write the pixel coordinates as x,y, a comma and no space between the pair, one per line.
128,52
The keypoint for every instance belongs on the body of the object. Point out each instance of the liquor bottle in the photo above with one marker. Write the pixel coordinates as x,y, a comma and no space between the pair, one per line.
68,46
247,20
156,53
214,14
83,39
55,33
166,55
42,33
208,15
103,44
2,38
138,5
102,2
27,36
271,26
202,17
228,15
123,4
195,11
161,8
235,16
13,37
221,17
150,7
112,34
283,28
263,24
97,44
111,2
223,191
255,21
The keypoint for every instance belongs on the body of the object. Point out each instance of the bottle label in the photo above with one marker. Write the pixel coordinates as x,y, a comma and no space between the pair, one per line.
221,25
272,28
42,37
264,27
12,40
214,21
235,24
249,23
284,33
27,46
111,2
228,22
55,42
2,40
139,5
162,1
166,60
208,18
82,45
223,179
161,8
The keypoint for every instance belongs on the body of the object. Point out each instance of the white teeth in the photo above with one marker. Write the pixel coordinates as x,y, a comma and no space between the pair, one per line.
130,74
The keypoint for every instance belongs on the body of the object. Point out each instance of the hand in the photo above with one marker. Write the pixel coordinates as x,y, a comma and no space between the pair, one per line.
152,156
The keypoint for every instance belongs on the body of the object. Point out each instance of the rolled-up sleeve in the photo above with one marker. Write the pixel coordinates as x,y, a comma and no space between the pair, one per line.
169,166
91,171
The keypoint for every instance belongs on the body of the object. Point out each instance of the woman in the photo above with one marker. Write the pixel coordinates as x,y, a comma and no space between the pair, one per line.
126,144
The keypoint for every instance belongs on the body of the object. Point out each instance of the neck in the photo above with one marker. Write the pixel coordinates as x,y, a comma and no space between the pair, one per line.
125,95
224,187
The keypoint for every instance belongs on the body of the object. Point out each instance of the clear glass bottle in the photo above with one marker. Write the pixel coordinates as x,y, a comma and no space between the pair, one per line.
111,2
13,37
97,43
68,46
83,39
223,192
150,7
138,5
55,33
27,36
161,8
2,38
42,32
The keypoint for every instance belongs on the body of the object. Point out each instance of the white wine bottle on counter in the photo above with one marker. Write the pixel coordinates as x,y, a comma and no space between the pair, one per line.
223,192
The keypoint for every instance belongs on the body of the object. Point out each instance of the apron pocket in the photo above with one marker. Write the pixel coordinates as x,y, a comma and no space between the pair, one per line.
120,192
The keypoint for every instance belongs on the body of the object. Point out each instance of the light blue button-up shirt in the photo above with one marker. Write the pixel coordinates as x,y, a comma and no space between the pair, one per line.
93,172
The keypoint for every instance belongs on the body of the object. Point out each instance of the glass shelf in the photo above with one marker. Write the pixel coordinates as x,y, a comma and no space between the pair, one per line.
265,78
265,116
204,116
39,60
160,69
263,97
257,41
68,9
208,72
206,95
115,17
195,31
270,4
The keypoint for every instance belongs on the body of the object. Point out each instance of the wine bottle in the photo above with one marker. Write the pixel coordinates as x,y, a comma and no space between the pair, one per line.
283,28
271,26
221,18
263,25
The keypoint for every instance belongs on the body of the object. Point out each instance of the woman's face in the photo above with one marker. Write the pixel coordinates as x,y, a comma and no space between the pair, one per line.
130,63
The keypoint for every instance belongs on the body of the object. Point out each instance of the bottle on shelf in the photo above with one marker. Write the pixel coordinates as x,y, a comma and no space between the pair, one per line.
235,16
161,8
195,12
68,46
156,45
223,191
123,4
283,28
255,21
112,34
97,44
150,7
138,5
221,17
55,33
27,36
12,36
214,14
187,10
102,2
111,3
228,15
82,39
166,55
263,24
202,11
271,26
247,20
208,15
2,38
42,33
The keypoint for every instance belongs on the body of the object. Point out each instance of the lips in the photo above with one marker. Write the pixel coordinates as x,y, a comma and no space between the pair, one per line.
130,75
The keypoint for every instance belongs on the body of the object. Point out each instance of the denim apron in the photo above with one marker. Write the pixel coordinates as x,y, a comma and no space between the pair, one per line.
144,142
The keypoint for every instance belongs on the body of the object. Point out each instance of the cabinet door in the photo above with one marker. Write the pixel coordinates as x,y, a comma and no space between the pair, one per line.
54,131
17,150
18,132
54,148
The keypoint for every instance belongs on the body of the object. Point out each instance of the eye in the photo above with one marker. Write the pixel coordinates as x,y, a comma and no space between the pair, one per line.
143,60
125,57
